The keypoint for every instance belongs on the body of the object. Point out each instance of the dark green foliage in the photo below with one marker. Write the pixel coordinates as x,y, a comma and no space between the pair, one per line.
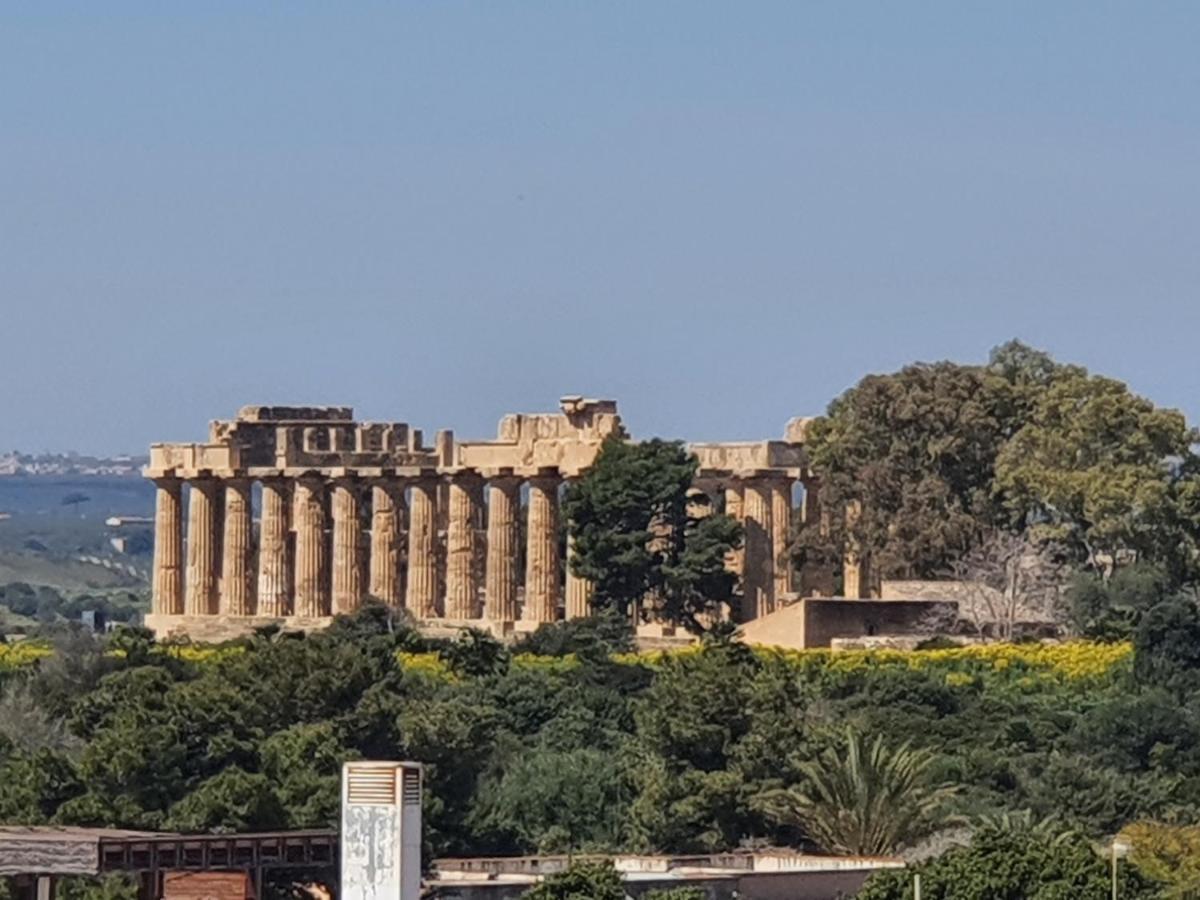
232,800
581,752
712,732
556,801
107,887
940,454
602,633
50,607
918,448
1104,472
1110,609
1005,863
864,799
633,535
582,881
1167,643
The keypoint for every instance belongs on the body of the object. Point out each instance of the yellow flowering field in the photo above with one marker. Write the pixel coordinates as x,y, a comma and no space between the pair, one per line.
425,664
22,653
1025,665
532,662
1068,661
201,653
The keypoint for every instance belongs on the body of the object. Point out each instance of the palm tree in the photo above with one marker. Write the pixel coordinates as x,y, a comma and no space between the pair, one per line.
1048,830
864,800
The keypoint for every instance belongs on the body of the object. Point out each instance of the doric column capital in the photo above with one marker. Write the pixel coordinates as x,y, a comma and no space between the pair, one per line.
505,482
546,481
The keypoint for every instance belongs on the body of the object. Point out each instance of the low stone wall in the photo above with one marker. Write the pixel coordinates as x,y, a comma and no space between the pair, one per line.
819,621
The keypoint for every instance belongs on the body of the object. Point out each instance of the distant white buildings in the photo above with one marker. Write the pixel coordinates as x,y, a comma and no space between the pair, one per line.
16,463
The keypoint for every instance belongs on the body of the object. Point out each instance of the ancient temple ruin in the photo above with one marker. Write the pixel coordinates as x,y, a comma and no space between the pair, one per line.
350,510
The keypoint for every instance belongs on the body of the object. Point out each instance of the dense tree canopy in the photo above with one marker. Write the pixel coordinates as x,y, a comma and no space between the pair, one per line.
939,455
1007,862
540,747
918,449
1105,471
639,539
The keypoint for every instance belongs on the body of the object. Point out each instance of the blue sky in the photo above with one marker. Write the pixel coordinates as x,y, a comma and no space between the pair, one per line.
720,214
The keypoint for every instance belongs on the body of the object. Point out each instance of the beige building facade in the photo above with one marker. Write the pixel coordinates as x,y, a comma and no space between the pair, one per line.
456,532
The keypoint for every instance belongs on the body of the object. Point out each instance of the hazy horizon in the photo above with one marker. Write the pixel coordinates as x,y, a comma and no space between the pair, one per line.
720,216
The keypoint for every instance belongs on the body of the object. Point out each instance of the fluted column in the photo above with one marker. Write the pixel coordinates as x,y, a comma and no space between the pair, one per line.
168,547
387,533
274,598
347,547
312,563
462,584
735,559
579,590
237,598
758,580
541,555
501,588
781,535
202,548
421,592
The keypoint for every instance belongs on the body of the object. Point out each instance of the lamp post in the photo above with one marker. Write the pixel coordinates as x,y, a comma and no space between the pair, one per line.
1118,849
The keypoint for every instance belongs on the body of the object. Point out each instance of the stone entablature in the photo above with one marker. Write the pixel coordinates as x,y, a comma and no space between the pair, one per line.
770,457
355,509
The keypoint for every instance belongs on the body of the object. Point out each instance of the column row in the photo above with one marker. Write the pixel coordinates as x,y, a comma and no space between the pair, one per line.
763,504
309,567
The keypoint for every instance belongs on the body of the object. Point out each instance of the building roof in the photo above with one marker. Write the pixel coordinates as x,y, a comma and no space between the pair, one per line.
57,850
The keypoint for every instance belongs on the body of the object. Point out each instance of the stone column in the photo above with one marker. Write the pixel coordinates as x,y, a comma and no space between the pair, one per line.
347,547
274,598
312,562
462,584
579,590
811,513
735,560
758,579
504,500
237,598
855,583
168,548
387,532
202,548
421,592
541,554
781,535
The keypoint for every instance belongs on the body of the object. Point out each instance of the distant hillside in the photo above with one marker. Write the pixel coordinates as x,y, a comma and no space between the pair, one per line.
53,532
78,497
17,463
